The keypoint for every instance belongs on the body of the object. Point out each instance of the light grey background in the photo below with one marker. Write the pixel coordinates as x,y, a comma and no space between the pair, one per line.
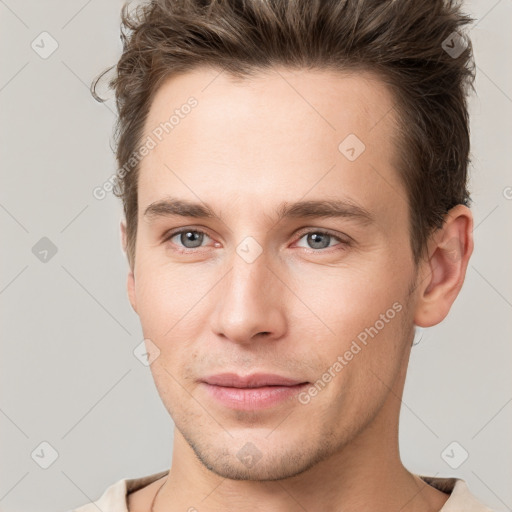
68,373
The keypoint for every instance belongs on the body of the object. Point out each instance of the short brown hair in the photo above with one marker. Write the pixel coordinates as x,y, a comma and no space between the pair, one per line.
416,47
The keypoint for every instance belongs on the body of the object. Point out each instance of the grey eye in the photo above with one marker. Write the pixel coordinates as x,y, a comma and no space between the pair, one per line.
190,239
318,239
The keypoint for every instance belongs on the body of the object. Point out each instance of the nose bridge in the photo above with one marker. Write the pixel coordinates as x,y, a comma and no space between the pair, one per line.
251,278
251,299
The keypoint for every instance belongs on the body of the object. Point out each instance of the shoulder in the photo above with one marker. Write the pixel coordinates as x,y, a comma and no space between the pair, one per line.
460,498
126,495
140,500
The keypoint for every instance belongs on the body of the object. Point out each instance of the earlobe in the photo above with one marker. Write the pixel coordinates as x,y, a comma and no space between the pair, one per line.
130,282
443,273
122,225
130,285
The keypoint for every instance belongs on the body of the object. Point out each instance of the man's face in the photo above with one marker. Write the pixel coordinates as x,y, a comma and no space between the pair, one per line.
322,301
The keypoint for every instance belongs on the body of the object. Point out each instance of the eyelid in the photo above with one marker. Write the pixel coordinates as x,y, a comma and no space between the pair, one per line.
345,239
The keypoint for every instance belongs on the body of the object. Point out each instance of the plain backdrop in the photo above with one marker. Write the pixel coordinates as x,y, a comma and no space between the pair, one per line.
69,378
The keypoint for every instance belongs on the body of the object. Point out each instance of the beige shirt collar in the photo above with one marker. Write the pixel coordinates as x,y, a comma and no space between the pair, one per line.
114,499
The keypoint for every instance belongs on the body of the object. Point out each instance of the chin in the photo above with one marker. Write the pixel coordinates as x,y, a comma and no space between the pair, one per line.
251,464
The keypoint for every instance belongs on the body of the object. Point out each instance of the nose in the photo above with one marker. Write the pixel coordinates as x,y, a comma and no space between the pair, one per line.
250,303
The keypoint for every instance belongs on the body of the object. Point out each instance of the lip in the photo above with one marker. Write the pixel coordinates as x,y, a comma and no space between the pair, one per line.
255,380
251,392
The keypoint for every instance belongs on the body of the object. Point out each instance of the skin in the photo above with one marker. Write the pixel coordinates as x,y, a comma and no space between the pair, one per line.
245,148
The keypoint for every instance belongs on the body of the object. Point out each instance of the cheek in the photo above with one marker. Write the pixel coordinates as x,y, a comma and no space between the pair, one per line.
350,300
167,299
366,313
153,299
173,316
364,365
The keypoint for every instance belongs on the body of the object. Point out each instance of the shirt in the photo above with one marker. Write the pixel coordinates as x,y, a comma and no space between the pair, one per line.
115,497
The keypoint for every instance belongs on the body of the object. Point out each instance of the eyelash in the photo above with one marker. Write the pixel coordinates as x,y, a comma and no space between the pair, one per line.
343,243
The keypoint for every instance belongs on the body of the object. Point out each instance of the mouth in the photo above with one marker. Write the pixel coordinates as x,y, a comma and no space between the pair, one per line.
251,392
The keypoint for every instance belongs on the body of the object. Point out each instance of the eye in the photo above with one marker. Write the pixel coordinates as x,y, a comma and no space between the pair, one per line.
320,239
188,238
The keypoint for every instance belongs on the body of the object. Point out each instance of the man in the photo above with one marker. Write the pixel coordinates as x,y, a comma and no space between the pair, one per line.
293,175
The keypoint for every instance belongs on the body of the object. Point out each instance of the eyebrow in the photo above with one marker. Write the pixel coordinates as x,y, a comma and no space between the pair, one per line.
170,206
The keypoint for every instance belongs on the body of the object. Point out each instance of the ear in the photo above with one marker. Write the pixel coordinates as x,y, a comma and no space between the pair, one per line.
444,269
130,282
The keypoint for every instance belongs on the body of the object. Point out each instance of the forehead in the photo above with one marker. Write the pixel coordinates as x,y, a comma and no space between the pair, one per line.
328,101
277,133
